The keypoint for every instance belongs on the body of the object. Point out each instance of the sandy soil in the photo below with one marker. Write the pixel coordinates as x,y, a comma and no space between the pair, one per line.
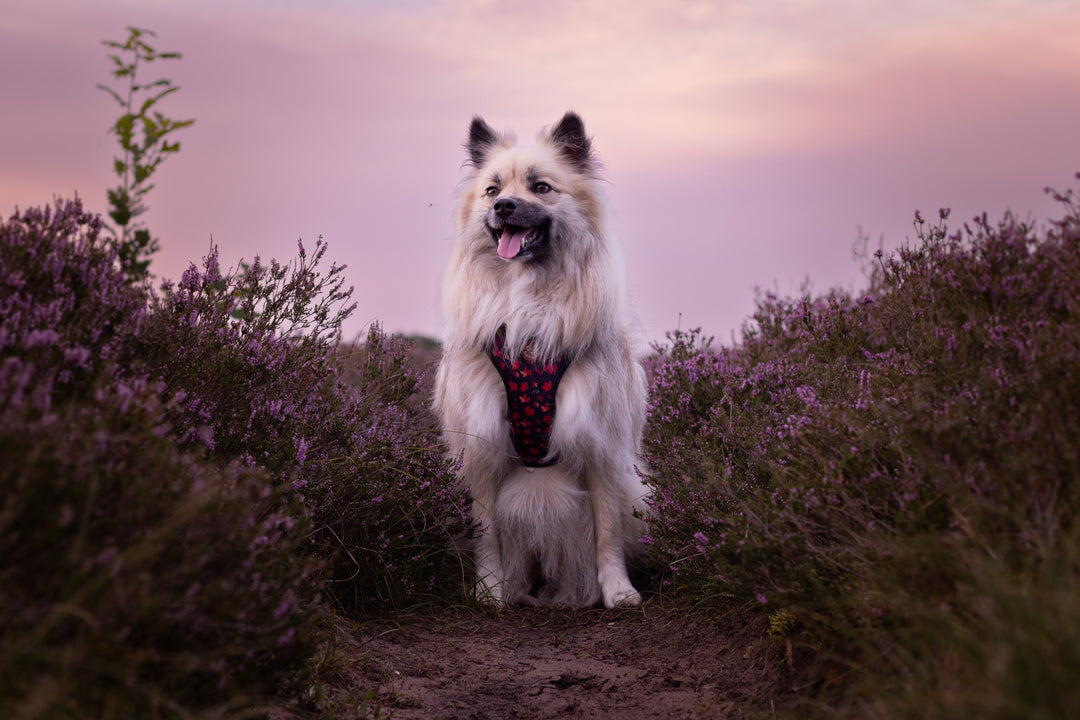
466,664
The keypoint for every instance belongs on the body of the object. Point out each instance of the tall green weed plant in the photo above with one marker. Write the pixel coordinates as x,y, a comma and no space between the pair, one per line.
143,133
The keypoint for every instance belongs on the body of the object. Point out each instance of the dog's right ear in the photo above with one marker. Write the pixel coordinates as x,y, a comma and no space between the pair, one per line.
569,136
481,139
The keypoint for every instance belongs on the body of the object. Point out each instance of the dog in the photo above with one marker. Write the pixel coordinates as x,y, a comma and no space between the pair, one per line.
539,391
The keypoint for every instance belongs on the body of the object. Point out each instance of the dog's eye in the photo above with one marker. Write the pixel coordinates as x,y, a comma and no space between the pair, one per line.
541,188
491,191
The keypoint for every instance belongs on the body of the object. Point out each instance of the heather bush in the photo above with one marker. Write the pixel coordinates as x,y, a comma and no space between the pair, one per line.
266,382
891,475
138,580
388,499
253,353
185,472
64,310
137,577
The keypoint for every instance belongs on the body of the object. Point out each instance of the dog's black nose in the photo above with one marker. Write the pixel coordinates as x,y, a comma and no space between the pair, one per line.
504,207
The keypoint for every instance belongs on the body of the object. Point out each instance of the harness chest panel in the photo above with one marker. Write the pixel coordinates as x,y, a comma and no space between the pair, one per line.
530,386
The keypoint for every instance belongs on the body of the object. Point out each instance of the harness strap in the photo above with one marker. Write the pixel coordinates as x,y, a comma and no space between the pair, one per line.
530,400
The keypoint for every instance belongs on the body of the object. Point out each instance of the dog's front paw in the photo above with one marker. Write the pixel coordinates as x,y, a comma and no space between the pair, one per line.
490,594
622,596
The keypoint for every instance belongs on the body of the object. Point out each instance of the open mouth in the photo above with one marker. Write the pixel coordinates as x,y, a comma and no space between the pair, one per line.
517,241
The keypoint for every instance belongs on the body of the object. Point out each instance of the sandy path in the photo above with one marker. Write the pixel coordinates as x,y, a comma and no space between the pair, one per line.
460,664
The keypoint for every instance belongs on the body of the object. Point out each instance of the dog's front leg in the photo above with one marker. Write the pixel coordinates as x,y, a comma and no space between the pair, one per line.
490,580
615,585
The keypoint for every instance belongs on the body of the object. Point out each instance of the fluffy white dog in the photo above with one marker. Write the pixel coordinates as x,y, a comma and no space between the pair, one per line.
539,391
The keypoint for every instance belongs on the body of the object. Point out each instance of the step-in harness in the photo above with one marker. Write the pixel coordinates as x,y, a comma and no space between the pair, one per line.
530,385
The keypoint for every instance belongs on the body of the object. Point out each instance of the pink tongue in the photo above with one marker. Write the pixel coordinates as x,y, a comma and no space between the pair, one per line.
510,245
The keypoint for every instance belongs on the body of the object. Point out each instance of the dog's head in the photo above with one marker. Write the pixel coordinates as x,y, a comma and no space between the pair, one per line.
528,200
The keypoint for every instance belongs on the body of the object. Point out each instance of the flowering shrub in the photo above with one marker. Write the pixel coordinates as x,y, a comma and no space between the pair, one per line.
265,382
184,473
65,312
135,575
254,386
894,471
387,500
138,576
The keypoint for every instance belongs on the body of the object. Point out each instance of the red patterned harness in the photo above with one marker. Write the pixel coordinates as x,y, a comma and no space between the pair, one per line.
530,400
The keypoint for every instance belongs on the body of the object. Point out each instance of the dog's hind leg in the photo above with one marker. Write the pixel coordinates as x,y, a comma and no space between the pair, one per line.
546,539
569,562
517,555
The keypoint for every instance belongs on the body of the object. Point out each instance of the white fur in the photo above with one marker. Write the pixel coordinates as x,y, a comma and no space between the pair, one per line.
556,535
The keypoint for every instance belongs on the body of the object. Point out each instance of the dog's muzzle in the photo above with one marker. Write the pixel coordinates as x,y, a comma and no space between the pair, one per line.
520,229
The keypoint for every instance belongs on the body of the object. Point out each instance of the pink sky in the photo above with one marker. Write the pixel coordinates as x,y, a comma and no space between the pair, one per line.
745,141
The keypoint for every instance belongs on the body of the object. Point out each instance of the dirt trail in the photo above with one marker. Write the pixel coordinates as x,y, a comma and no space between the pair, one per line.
460,664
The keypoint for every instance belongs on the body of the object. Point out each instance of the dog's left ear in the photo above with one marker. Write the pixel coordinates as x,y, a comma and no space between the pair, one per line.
570,139
481,139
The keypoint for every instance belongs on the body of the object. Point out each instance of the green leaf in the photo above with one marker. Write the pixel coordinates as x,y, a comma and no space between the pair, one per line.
125,128
116,96
142,238
171,88
142,172
120,200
